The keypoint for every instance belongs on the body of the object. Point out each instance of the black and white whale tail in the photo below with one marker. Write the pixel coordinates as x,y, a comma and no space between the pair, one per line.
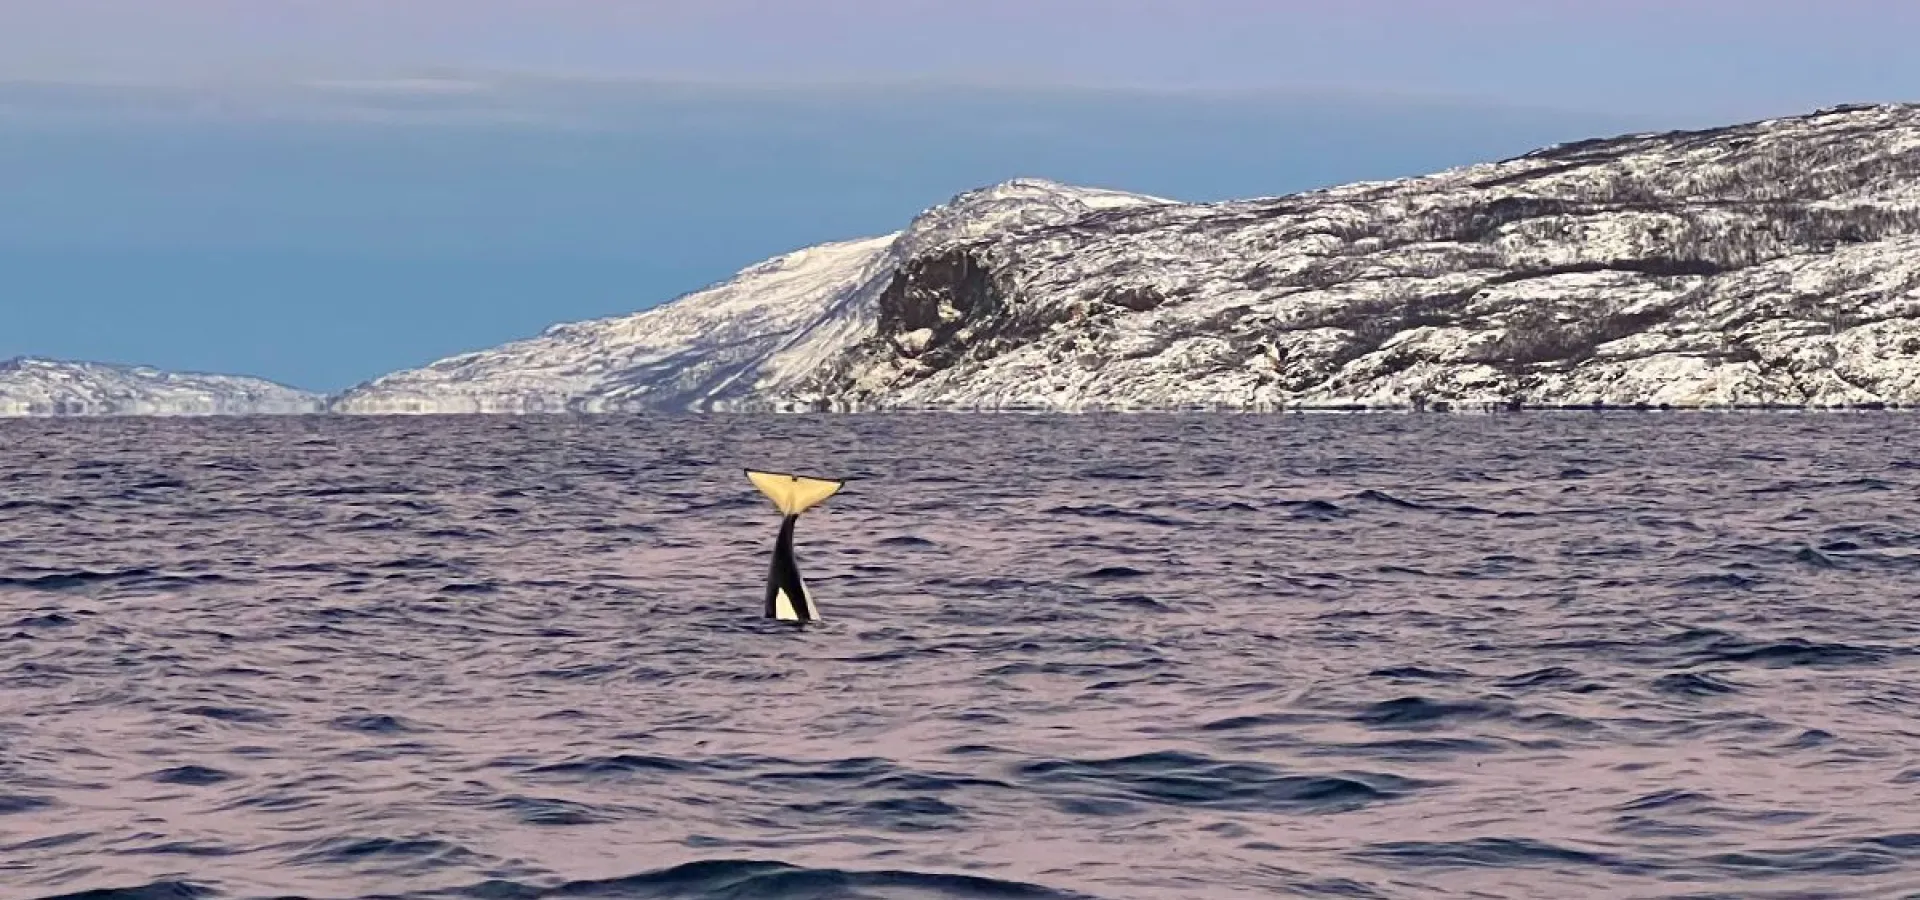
787,598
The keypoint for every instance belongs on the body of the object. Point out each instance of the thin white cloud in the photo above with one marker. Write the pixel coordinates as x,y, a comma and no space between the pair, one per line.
421,86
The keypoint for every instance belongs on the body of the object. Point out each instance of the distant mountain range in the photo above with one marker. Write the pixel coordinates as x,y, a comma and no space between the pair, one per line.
1772,263
45,387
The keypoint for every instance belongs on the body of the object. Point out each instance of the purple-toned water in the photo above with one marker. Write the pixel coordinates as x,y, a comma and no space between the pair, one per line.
1553,656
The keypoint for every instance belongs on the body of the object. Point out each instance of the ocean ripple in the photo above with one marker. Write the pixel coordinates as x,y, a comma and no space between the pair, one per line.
1100,658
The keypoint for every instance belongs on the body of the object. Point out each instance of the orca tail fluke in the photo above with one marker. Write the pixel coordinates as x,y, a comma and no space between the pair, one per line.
793,494
787,597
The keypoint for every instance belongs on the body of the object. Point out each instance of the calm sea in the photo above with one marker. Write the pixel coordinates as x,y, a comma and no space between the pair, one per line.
1545,656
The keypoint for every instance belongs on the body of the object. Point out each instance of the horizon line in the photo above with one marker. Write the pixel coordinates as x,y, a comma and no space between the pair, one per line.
468,81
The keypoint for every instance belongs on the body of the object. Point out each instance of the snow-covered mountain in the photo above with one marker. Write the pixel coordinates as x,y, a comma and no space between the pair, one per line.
1771,263
738,343
1777,262
45,387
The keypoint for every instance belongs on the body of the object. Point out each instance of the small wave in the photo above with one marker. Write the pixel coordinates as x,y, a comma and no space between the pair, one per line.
278,801
581,671
1866,857
234,714
1809,739
158,890
1117,475
1789,652
1109,572
1872,535
1657,829
46,620
1502,563
11,804
1389,499
1724,580
1693,684
1135,601
1319,510
1241,723
66,581
549,813
891,656
621,764
859,768
189,775
1411,749
754,879
374,723
412,563
1418,673
178,848
1414,712
915,814
1409,570
1558,677
1186,779
1082,670
1233,506
360,490
1375,496
381,851
930,782
1666,800
1112,512
982,750
49,842
1491,853
1816,558
54,506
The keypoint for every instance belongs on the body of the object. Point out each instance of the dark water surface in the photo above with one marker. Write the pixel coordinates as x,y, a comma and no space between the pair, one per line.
1553,656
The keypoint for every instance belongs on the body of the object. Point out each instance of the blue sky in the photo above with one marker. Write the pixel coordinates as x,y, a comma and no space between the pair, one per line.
319,192
1712,57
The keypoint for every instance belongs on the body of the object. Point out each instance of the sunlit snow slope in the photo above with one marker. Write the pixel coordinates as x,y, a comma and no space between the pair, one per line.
737,343
1770,263
44,387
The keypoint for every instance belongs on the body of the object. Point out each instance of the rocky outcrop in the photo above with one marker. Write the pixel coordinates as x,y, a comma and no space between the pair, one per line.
45,387
1771,263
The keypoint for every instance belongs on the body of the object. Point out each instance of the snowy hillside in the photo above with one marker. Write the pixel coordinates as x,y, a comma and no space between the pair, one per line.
751,337
1770,263
43,387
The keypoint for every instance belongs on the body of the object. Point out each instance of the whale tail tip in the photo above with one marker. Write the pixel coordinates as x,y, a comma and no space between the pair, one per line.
794,494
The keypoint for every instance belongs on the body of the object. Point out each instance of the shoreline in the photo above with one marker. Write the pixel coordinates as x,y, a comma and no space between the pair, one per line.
1349,409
